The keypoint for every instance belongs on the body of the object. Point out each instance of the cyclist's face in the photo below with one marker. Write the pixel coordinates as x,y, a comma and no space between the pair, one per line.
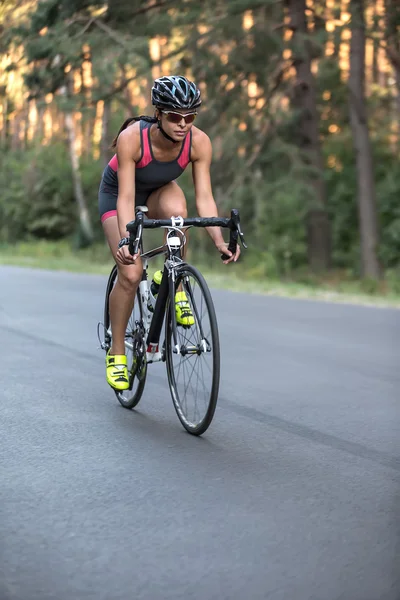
177,123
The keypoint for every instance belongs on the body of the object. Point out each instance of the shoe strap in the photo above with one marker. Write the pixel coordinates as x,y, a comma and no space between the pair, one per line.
180,297
116,360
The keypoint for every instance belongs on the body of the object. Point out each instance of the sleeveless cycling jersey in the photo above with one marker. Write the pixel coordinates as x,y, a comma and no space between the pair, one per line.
150,173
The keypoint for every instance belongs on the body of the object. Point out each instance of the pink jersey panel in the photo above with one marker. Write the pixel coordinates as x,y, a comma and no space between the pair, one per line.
114,163
146,154
183,160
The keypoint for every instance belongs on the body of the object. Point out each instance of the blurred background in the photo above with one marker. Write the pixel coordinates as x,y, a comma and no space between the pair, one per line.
301,99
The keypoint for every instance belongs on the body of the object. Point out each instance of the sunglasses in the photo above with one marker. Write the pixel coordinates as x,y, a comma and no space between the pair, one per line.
174,117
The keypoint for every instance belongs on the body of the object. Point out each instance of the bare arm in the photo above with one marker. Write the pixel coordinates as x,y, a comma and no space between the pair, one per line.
128,146
205,203
126,150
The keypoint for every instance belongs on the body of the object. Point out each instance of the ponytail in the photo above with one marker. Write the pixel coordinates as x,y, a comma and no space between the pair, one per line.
128,122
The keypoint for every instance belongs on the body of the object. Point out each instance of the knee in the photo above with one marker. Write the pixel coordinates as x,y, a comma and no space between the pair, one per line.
178,206
129,277
180,209
173,201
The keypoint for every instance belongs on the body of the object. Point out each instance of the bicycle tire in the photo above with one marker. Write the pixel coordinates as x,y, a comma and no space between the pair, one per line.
125,398
200,427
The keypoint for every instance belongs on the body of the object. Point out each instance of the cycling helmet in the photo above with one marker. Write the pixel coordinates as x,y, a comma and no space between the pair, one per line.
175,91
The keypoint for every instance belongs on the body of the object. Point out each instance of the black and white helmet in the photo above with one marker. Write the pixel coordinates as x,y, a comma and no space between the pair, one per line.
176,92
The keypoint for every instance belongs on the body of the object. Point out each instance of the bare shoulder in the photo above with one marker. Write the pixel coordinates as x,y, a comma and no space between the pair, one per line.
201,144
128,144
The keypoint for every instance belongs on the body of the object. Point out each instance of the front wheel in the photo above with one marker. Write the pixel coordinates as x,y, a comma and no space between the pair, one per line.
135,348
193,364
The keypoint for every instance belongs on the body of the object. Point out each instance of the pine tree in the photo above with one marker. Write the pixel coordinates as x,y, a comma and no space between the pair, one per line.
368,219
304,100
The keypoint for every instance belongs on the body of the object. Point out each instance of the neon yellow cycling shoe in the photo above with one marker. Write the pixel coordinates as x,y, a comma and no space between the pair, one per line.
184,315
117,371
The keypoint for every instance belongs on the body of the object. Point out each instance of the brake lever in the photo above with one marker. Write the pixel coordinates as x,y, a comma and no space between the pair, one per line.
235,233
137,240
135,233
241,236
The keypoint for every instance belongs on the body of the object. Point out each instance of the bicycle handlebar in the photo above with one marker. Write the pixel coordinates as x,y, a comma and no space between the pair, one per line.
136,227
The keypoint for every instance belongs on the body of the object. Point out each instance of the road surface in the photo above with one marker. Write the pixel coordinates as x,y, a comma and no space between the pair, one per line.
292,494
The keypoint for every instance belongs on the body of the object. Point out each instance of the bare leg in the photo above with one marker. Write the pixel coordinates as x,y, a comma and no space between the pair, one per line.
123,295
168,201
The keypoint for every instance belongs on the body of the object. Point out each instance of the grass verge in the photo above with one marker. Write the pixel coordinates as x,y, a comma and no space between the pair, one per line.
334,287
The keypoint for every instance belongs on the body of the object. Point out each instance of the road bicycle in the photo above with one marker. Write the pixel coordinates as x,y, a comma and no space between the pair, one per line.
191,352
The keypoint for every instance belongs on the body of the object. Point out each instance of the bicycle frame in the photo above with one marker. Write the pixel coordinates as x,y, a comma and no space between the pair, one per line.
172,248
153,321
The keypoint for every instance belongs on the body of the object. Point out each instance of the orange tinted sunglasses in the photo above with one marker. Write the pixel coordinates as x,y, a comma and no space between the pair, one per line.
174,117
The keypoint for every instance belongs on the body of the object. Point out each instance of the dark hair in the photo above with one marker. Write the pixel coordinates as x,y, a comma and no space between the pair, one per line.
128,122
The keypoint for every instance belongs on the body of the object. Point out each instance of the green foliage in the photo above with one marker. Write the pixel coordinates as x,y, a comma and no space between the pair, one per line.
36,197
388,192
257,166
342,193
91,171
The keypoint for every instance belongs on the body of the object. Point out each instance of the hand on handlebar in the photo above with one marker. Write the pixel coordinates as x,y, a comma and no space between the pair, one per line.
124,257
228,255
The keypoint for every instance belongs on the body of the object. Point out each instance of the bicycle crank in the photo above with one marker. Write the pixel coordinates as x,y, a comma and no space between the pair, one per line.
139,357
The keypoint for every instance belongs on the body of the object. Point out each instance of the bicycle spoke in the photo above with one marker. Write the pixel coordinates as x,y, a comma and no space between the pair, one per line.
194,386
190,377
207,365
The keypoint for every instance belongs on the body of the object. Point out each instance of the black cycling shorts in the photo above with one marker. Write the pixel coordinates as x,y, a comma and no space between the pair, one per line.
108,202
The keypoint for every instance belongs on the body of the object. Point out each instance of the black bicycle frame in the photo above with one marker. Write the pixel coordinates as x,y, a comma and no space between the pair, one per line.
153,336
167,286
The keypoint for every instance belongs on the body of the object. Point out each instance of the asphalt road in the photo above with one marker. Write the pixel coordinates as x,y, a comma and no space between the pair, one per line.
292,494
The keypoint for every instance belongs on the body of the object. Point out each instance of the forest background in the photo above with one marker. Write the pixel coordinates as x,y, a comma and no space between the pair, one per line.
301,99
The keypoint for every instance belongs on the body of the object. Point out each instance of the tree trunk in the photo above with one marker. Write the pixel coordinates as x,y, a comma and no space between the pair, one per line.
4,130
86,133
84,218
375,33
86,114
24,126
305,100
337,11
397,75
40,123
392,37
16,124
396,69
368,219
105,127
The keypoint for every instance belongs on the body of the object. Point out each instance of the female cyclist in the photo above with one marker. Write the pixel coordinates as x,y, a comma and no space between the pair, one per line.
151,153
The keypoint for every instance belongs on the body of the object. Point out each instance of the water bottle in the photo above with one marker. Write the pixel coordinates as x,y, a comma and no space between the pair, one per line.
153,291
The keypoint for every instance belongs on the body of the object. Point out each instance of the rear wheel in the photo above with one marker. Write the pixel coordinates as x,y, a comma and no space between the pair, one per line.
193,367
135,348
